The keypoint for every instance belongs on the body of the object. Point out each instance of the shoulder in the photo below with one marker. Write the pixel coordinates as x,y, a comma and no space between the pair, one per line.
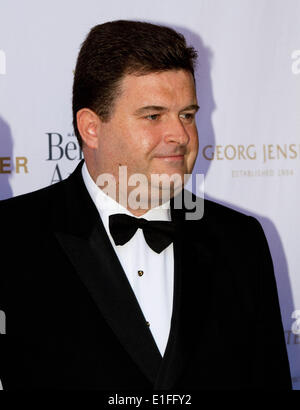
42,198
222,222
215,212
29,207
230,219
225,215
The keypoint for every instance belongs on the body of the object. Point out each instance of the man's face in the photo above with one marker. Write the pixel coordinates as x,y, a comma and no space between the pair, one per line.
152,129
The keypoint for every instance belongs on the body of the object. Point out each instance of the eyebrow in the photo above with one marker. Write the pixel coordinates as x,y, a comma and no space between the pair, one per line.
191,107
147,108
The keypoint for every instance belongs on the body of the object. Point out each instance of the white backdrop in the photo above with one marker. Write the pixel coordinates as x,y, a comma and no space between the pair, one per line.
248,89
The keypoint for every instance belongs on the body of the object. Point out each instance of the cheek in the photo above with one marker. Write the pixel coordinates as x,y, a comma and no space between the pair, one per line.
196,147
193,148
194,141
145,140
147,145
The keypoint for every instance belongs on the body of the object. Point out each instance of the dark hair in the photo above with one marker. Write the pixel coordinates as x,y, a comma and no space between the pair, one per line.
121,47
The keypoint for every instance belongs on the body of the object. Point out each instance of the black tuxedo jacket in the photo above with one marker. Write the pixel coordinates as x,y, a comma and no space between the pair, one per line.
73,322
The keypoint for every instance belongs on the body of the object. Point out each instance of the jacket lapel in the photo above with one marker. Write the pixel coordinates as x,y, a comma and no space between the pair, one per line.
174,356
193,263
85,241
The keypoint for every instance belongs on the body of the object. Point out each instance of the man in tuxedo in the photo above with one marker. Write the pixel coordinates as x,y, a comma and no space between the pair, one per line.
102,294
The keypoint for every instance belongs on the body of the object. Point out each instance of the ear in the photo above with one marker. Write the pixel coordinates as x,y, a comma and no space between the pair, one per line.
88,124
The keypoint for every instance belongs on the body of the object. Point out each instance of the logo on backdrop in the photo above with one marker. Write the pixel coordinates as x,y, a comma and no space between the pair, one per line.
2,62
266,154
296,62
62,148
8,164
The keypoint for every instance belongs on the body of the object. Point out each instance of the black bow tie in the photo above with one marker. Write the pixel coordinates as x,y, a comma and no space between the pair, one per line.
158,234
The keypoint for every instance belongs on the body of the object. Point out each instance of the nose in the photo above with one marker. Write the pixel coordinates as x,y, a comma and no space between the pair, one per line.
176,133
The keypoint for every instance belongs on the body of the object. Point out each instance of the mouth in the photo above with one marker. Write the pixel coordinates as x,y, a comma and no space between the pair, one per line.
171,158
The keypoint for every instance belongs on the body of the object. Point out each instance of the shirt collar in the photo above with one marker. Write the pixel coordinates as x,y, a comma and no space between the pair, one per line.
107,206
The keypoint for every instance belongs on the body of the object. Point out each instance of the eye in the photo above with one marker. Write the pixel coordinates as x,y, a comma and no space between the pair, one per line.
188,116
152,117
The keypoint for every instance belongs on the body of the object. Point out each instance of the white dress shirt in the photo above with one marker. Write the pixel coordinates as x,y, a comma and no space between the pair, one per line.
154,288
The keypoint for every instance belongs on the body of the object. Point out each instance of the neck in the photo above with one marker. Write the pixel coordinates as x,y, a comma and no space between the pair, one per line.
137,199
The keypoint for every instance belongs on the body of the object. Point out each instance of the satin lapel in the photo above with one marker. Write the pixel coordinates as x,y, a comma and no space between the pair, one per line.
97,264
100,271
174,356
193,264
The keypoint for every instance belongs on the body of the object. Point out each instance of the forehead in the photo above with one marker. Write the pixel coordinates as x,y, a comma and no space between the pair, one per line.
168,87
